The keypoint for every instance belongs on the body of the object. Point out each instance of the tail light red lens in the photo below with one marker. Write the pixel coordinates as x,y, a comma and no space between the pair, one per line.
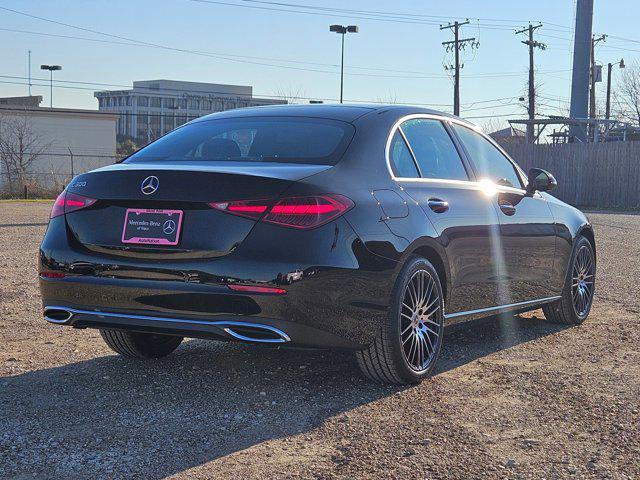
70,202
257,289
52,275
245,208
303,212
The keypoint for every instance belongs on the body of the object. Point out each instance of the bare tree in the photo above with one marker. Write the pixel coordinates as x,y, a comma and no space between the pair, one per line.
291,95
391,98
627,97
20,147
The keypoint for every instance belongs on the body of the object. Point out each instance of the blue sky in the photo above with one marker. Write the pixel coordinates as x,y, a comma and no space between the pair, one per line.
397,60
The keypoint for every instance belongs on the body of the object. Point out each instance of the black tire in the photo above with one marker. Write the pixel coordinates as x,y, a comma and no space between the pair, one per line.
565,310
386,359
140,345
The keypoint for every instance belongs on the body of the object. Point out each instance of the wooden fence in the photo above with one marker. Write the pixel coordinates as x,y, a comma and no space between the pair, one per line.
601,175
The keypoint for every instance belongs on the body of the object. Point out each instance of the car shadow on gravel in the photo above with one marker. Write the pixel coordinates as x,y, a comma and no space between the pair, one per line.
113,417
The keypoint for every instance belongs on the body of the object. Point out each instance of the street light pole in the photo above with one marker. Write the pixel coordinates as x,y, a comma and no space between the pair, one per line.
609,68
51,69
342,30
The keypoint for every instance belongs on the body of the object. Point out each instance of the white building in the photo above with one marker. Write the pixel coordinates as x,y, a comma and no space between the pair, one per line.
67,140
155,107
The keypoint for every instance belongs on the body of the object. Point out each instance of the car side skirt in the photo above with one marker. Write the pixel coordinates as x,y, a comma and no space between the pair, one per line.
457,317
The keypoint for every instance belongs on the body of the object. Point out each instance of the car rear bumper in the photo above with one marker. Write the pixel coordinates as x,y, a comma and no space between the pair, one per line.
337,294
201,311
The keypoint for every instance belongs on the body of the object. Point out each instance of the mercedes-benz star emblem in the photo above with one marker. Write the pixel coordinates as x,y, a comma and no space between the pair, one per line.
169,227
150,185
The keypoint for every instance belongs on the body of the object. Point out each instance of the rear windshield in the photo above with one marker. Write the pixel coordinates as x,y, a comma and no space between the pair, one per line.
254,139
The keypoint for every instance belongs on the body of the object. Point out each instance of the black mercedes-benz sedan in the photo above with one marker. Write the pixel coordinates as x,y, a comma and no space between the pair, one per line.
355,227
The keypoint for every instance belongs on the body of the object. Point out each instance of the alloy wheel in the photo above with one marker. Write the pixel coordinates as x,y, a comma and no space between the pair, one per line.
582,281
421,321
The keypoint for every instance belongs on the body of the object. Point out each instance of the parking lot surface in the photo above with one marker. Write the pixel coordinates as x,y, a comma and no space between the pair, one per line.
513,397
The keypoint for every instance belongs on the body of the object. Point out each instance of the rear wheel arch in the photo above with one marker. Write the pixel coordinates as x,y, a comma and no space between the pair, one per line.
435,254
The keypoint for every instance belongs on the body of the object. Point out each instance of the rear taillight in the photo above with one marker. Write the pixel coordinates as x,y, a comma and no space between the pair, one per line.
245,208
52,275
257,289
70,202
296,212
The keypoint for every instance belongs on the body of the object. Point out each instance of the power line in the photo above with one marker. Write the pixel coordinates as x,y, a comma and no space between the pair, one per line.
230,57
184,113
409,17
76,86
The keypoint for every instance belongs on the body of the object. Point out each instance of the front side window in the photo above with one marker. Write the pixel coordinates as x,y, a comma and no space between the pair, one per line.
490,163
433,149
252,139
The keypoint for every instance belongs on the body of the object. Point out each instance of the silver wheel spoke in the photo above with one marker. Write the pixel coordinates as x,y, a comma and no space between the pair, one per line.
421,320
431,331
582,281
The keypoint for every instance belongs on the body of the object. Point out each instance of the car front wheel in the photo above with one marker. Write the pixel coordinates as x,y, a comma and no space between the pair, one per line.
407,346
577,294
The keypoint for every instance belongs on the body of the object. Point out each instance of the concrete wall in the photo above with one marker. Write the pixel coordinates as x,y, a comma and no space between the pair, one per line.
91,136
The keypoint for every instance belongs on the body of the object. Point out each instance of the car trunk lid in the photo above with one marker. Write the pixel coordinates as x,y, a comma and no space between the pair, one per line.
146,192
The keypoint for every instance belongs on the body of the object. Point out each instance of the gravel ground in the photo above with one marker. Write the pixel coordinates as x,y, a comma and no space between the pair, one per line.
514,397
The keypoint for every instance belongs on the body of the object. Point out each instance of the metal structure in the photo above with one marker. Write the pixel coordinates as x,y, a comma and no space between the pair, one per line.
342,30
581,67
601,128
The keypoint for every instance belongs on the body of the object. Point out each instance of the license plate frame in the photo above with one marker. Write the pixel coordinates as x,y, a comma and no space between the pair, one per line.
152,226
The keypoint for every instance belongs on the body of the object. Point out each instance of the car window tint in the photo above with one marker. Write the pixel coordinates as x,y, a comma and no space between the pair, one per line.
402,162
488,160
434,150
252,139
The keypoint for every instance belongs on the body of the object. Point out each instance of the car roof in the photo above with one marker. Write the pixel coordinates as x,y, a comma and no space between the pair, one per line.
346,112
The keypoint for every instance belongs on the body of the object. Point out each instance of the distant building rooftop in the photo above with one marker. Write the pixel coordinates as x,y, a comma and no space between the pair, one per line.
154,107
30,101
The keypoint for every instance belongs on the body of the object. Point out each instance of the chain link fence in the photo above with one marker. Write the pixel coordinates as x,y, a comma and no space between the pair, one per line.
49,173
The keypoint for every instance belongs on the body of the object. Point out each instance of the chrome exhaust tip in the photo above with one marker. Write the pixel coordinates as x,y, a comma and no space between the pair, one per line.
57,315
253,332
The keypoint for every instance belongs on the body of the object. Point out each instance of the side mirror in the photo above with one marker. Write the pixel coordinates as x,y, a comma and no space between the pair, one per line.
540,181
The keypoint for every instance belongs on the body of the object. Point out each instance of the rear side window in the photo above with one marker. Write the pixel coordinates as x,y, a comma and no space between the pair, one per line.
434,150
488,160
252,139
402,162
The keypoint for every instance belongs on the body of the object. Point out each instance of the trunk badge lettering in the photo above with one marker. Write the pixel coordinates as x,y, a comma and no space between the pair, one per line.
150,185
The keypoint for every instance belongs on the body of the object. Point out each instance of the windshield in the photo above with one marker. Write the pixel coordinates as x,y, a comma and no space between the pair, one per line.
252,139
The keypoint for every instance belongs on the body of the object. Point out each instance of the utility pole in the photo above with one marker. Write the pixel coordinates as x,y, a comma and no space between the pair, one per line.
455,45
609,68
580,74
592,96
531,43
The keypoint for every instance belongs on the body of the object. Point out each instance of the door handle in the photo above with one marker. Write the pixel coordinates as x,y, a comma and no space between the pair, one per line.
437,205
507,208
